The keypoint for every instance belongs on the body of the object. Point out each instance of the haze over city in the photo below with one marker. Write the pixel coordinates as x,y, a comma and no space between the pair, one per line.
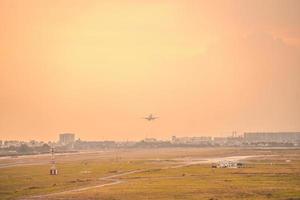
149,99
96,68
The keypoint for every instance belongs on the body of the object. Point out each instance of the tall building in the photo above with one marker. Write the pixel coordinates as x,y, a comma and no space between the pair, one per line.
66,138
278,137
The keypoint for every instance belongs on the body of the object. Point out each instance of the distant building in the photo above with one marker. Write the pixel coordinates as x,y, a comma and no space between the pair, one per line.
79,144
34,143
66,138
191,140
235,141
276,137
150,140
220,140
13,143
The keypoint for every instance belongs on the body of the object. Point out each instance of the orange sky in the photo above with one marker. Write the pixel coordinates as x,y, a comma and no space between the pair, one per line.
96,67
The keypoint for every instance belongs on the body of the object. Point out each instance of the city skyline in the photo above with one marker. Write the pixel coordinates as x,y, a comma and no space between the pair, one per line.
97,68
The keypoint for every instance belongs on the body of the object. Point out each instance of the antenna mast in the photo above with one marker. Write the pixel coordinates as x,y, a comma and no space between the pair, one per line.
53,170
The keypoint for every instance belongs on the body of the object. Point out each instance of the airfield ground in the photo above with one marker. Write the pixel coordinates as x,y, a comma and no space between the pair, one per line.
177,173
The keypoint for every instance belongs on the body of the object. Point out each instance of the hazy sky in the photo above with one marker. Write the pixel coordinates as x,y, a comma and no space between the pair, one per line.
96,68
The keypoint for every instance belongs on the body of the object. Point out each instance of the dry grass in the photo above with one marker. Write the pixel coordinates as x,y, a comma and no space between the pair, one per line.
267,178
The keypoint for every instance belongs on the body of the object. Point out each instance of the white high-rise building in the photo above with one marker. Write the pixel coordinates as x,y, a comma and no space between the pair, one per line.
66,138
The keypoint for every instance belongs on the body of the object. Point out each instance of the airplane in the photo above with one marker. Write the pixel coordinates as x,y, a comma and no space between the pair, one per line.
150,118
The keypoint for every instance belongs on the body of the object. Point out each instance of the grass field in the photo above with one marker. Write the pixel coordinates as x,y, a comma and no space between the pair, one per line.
275,175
